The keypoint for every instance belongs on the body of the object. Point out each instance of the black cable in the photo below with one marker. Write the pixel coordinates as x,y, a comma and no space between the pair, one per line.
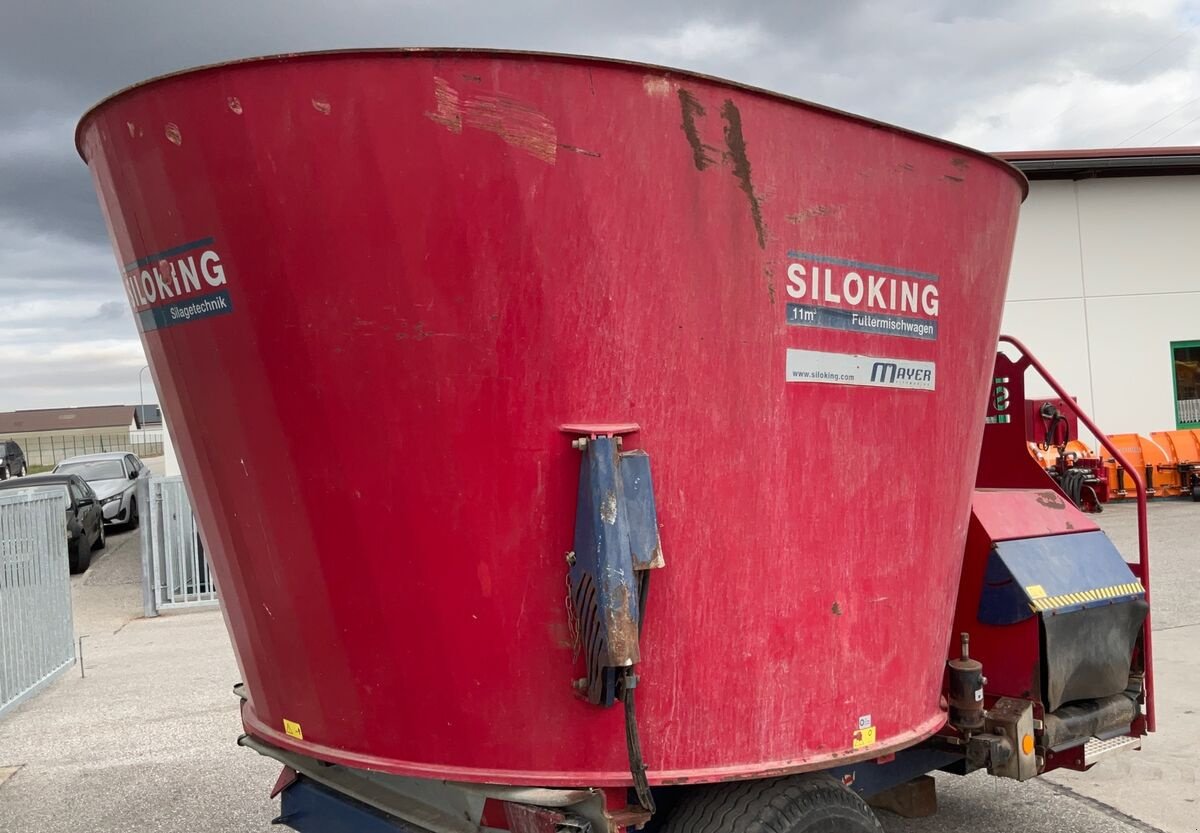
1052,430
643,592
1052,419
633,742
637,766
1066,435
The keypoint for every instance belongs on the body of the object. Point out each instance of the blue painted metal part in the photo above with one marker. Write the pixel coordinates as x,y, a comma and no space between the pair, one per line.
1054,573
1004,602
868,778
641,513
309,807
616,533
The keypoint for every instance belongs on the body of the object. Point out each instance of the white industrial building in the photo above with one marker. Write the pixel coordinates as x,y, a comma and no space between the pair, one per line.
1105,283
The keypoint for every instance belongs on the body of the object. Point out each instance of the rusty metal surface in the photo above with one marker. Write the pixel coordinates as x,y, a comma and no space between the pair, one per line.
524,818
481,292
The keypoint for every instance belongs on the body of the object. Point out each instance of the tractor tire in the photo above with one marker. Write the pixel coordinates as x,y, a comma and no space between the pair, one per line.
795,804
1196,493
81,558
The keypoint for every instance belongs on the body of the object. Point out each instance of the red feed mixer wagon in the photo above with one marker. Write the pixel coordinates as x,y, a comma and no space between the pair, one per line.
556,401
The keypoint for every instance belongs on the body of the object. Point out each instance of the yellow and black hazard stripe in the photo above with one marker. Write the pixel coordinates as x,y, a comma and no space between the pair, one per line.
1099,594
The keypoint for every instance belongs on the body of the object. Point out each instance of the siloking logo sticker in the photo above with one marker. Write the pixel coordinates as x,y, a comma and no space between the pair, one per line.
868,371
178,285
837,293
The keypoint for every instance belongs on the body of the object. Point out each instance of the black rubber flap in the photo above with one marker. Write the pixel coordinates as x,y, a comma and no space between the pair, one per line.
1088,652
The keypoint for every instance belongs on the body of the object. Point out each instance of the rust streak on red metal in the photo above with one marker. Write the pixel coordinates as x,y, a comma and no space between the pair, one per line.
812,213
690,110
735,141
580,151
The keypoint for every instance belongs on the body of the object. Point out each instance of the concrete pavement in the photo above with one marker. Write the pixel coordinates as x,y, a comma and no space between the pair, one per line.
1158,785
145,742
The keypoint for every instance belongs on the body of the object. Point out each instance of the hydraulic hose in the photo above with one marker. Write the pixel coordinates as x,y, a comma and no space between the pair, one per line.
633,742
1054,419
1072,481
637,766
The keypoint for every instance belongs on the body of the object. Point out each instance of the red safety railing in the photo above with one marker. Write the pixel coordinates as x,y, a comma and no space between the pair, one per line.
1139,483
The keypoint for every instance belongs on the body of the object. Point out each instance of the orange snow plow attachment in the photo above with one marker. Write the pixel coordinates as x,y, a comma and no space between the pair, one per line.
1161,473
1183,452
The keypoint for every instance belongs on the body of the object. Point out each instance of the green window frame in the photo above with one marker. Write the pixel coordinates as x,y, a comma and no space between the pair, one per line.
1193,414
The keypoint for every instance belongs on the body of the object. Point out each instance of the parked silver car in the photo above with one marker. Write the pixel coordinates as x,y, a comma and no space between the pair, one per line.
113,476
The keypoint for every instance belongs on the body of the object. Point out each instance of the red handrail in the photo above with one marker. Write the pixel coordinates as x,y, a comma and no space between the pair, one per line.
1140,484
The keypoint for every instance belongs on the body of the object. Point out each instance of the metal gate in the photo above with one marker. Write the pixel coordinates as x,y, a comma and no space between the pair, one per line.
37,633
174,570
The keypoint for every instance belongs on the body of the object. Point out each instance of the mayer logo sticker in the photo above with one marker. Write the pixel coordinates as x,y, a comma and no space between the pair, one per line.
868,371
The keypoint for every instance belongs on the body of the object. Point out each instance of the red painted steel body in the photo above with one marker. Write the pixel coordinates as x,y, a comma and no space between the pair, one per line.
434,260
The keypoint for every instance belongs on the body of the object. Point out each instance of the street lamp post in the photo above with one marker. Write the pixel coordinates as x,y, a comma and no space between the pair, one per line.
142,404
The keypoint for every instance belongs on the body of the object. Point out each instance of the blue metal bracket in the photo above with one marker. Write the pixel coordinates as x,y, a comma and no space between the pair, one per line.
616,535
309,807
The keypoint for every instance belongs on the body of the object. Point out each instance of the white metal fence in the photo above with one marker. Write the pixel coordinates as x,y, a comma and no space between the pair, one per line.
37,633
1189,410
174,570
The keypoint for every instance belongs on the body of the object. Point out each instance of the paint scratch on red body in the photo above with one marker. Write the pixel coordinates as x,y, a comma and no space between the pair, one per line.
519,124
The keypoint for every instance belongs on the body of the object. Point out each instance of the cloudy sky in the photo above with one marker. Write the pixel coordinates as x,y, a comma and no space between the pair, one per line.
1011,75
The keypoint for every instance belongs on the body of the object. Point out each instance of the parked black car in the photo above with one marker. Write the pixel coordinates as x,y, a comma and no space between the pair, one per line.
12,460
85,523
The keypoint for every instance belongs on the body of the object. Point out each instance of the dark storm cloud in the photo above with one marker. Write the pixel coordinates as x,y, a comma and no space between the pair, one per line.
920,64
52,192
58,59
1010,73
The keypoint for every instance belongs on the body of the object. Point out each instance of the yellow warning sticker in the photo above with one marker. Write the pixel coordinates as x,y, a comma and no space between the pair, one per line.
1036,591
293,729
864,737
